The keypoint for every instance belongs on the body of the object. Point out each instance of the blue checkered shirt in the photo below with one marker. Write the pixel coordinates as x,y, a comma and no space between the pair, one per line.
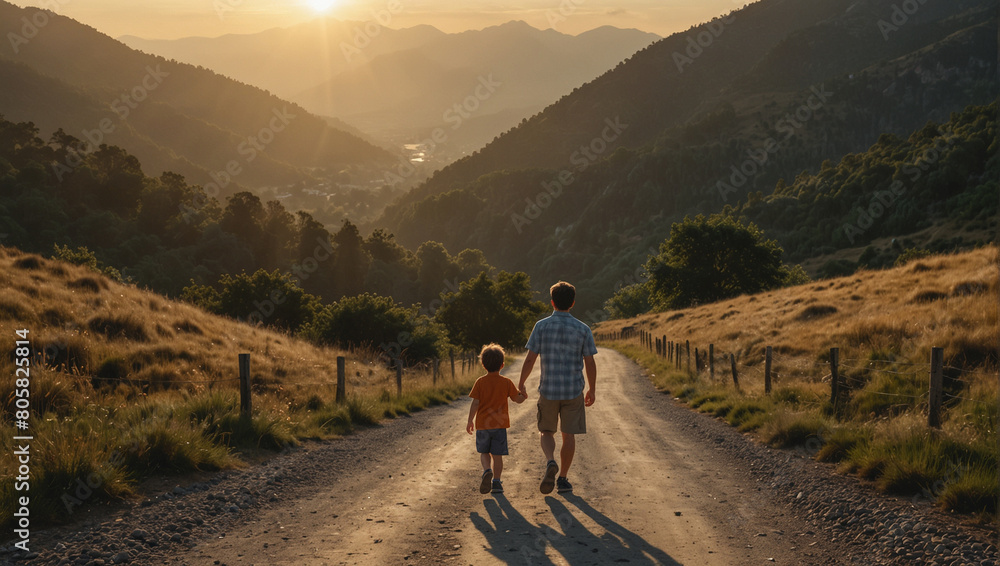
561,341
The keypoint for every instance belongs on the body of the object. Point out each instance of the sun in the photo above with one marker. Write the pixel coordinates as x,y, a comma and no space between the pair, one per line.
321,6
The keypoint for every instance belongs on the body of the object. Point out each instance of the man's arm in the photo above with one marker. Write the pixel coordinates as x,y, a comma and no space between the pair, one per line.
526,366
471,426
591,367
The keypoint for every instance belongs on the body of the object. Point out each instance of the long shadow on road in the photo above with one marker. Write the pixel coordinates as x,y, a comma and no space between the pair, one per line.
615,544
511,537
515,540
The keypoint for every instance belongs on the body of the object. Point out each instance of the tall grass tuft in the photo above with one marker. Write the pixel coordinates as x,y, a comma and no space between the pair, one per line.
218,416
789,430
120,327
157,445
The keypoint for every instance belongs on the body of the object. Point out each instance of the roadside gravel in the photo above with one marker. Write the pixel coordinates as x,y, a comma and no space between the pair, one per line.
869,527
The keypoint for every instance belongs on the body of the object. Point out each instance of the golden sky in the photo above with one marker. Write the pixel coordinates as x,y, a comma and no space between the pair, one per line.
168,19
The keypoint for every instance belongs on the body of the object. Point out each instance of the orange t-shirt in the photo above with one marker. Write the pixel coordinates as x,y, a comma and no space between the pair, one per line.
492,392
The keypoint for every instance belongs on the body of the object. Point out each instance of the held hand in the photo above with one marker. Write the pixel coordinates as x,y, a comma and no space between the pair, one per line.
470,428
523,390
589,398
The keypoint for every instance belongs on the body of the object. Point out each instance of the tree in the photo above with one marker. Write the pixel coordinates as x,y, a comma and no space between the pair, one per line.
373,321
119,177
484,310
382,246
272,299
161,203
471,263
351,260
628,301
710,259
313,243
243,217
278,236
436,269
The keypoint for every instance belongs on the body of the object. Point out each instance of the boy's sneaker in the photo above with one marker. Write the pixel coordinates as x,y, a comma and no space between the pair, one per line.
497,486
484,486
549,479
563,485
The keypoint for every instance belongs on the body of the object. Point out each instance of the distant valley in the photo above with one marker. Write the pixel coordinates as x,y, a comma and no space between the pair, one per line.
448,93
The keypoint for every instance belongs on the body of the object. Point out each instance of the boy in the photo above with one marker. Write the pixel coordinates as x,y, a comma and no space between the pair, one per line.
489,418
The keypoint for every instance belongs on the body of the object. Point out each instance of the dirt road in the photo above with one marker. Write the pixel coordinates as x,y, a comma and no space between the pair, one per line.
645,493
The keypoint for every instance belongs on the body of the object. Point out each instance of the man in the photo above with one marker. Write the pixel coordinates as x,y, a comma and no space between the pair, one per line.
566,347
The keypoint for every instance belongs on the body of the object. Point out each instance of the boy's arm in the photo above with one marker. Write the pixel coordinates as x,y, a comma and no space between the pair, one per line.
471,426
526,366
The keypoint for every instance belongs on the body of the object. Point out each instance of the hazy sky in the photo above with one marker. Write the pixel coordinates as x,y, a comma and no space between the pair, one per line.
180,18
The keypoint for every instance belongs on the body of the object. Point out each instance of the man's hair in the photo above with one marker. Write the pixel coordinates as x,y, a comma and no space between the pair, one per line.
563,295
491,357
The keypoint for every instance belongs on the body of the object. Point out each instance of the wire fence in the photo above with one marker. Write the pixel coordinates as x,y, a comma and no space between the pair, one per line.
461,363
928,385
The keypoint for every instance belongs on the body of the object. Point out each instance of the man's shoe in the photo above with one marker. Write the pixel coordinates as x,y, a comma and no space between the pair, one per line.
497,486
549,479
563,485
484,486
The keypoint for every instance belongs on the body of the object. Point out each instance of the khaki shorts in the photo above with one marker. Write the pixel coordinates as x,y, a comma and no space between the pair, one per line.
570,414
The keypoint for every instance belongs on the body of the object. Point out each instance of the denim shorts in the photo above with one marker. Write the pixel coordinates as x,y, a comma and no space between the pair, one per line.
492,441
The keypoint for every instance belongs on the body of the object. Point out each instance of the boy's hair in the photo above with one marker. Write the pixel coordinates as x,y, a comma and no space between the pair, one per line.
563,295
491,357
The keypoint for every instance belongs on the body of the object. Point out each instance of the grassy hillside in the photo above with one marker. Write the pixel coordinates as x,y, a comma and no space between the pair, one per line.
885,324
125,384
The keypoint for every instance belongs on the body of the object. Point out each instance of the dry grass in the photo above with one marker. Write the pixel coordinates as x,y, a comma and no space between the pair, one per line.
114,366
885,324
871,313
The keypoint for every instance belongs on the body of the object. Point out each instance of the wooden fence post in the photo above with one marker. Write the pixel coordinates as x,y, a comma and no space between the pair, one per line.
341,379
677,356
697,361
732,363
834,379
767,370
436,363
245,408
687,344
711,362
451,354
663,340
670,352
399,377
937,388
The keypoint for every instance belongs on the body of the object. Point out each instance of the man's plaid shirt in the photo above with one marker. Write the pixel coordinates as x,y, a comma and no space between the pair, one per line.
561,341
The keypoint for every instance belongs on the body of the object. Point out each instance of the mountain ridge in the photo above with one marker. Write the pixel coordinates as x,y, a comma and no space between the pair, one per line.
148,92
397,90
623,201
